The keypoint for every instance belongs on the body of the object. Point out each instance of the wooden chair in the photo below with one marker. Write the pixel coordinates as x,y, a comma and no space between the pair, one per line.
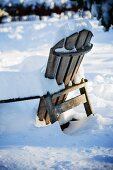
63,66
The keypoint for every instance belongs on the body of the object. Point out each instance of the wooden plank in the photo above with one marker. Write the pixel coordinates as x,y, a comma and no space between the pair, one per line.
41,109
81,39
53,61
70,41
80,58
87,105
63,65
54,100
89,36
47,118
60,99
84,50
70,71
68,89
50,108
67,105
77,67
52,65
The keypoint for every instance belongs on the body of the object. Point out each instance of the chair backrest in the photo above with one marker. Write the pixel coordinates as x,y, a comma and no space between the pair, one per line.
66,56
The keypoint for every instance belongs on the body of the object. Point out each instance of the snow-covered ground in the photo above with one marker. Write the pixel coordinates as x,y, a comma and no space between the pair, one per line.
87,144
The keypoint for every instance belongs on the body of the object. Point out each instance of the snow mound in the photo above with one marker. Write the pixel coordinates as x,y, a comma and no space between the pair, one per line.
71,26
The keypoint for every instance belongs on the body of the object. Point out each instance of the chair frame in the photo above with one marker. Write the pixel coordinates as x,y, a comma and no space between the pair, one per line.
63,66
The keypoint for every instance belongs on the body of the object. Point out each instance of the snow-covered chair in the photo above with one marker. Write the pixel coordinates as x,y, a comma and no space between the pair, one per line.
63,64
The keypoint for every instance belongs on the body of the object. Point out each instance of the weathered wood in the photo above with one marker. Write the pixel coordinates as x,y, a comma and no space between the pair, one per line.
41,109
87,105
79,46
84,50
81,39
57,98
52,65
67,105
19,99
50,108
76,67
70,41
63,65
89,36
68,89
47,118
53,61
70,70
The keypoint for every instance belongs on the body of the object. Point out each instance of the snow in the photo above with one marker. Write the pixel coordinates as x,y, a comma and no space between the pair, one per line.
70,27
86,144
30,70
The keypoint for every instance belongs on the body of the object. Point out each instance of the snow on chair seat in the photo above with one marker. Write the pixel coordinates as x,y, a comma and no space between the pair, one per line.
63,64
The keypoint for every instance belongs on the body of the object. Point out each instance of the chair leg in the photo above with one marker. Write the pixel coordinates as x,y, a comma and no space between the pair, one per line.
41,109
87,105
47,118
50,108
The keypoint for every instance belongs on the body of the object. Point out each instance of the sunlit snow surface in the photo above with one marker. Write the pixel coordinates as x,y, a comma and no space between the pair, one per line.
87,144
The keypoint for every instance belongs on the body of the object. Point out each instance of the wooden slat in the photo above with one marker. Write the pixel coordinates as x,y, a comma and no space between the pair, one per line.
80,58
41,109
63,65
87,105
47,118
61,99
81,39
70,41
77,67
85,49
53,61
50,109
89,36
68,89
57,98
52,65
67,105
68,75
